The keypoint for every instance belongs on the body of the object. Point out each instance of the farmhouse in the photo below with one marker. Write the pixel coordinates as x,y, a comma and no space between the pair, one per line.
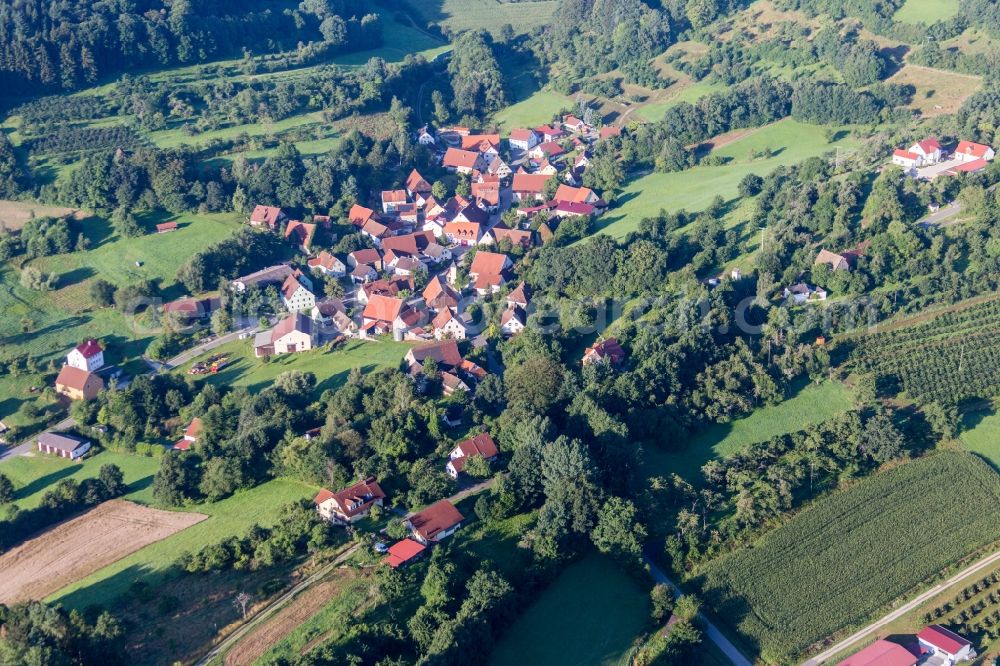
384,314
881,653
64,446
572,209
583,195
476,141
327,264
402,552
481,445
946,645
88,356
968,151
295,296
550,150
365,257
517,237
606,351
350,504
461,161
271,275
463,233
292,334
436,522
77,384
192,308
268,216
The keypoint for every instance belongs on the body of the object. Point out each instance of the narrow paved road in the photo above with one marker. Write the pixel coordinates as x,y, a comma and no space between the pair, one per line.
713,633
284,599
942,214
902,610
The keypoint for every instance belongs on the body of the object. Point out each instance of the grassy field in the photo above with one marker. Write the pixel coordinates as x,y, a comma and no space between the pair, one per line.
34,475
983,436
851,554
535,110
813,404
693,189
330,367
459,15
228,517
683,91
114,258
588,615
926,11
937,91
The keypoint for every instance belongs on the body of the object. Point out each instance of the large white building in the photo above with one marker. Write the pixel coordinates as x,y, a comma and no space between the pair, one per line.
87,356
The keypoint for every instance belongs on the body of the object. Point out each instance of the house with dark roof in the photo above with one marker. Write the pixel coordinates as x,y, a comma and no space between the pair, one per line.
482,445
64,446
350,504
436,522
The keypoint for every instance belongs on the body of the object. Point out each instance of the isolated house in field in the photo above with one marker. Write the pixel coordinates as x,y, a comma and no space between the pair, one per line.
77,384
295,296
292,334
328,264
968,151
300,234
606,351
881,653
436,522
166,227
482,445
87,356
267,216
64,446
945,645
350,504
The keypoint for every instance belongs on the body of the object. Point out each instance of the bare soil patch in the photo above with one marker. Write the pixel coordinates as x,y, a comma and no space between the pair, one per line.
304,606
14,214
76,548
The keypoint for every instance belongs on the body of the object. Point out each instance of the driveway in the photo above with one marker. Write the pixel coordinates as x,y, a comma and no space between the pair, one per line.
942,215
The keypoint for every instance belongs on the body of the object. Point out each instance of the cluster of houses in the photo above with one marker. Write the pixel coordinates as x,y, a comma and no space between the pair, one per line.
934,645
927,159
438,521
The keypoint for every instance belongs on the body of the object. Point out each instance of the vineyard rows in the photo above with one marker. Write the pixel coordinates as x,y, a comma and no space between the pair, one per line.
951,358
837,563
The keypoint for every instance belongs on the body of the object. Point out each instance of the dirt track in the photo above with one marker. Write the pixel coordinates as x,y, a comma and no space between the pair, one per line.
74,549
251,648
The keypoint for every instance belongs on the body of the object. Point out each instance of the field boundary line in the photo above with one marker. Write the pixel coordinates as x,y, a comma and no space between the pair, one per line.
902,610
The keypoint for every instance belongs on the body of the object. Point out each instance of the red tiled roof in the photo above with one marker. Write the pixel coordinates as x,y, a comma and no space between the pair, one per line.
480,445
89,348
929,145
942,638
324,260
182,445
436,518
973,149
521,134
444,352
521,295
322,496
265,215
393,196
74,378
969,167
462,230
905,154
456,158
367,256
610,130
574,194
402,552
529,182
606,349
438,294
574,208
194,428
383,308
488,263
356,498
293,322
473,141
302,232
549,148
881,653
515,236
166,226
358,215
416,183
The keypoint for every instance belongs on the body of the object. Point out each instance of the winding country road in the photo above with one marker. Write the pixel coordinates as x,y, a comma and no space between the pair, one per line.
713,633
902,610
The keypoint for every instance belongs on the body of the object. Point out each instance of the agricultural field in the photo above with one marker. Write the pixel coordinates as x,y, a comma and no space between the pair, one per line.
459,15
813,404
35,474
937,91
535,110
684,90
589,615
14,214
331,367
852,553
950,358
72,550
693,189
227,517
926,11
